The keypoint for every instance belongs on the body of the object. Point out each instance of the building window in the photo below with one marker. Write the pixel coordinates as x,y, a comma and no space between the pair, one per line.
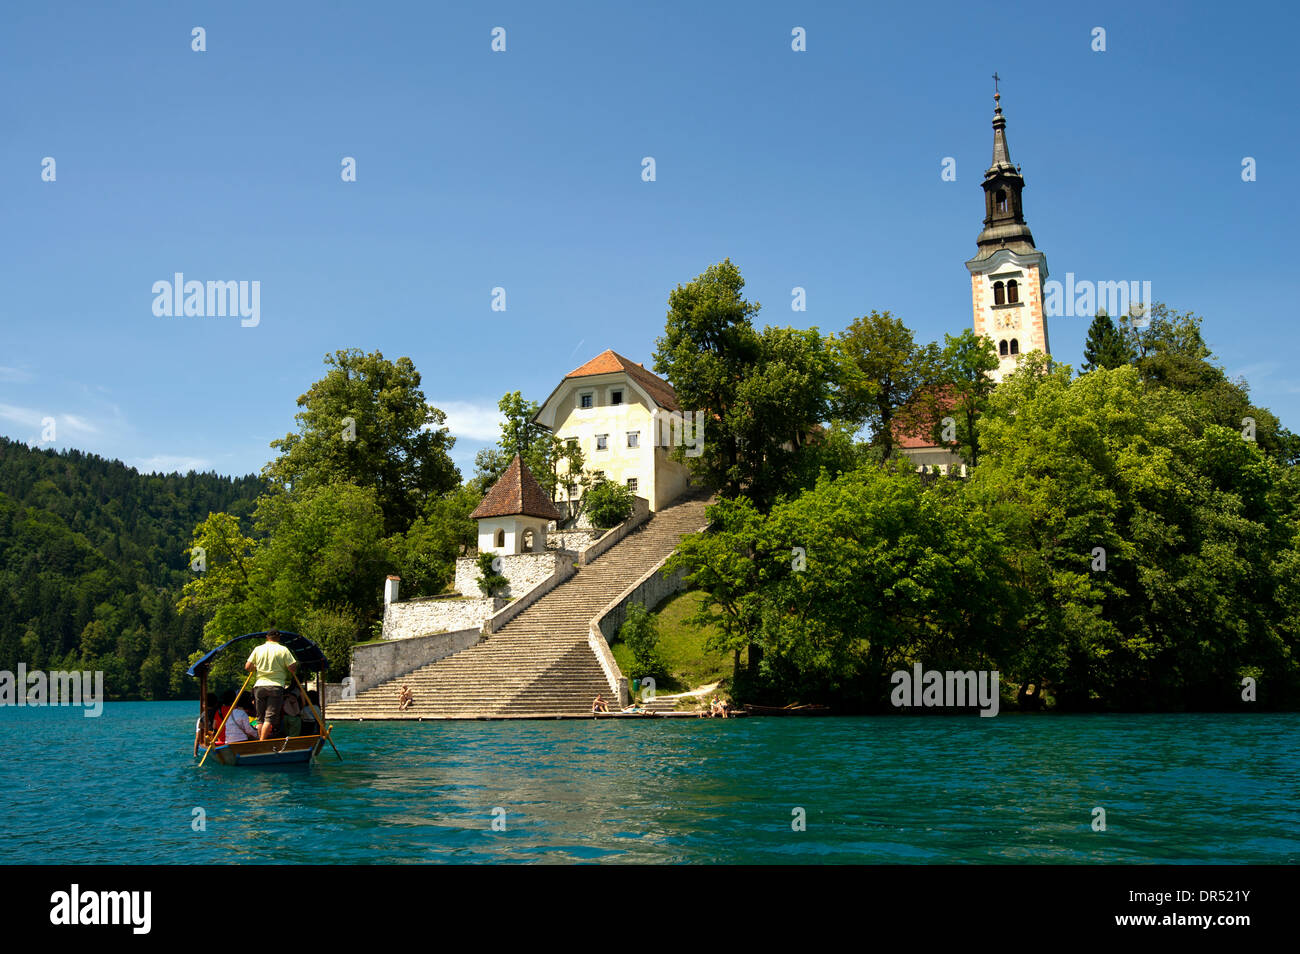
1002,200
1002,348
633,438
1015,346
616,397
999,294
501,538
602,442
571,443
586,400
631,484
1013,292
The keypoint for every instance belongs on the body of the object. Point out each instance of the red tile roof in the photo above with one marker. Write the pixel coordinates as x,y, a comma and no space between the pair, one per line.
517,493
611,362
911,434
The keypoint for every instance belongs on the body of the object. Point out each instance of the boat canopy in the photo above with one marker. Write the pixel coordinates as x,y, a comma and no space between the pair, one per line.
309,655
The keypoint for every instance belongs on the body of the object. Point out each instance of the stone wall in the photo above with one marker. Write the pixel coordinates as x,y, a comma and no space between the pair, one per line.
651,590
378,662
422,617
523,570
573,540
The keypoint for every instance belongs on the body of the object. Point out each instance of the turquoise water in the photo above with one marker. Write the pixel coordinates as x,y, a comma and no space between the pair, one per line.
122,789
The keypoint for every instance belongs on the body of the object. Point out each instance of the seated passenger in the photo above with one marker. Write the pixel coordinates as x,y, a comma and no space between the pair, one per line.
309,724
208,720
238,728
291,712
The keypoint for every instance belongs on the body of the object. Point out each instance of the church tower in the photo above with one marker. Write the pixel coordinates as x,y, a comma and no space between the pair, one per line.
1007,272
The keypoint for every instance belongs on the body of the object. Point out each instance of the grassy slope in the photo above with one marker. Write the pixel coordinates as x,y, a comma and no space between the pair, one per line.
682,646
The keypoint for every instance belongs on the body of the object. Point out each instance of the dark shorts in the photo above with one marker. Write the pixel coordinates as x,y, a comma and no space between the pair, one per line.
269,699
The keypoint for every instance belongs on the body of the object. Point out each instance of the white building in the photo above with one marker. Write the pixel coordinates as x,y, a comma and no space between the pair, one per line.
624,419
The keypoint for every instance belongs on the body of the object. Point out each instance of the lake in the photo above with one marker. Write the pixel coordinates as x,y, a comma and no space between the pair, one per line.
123,789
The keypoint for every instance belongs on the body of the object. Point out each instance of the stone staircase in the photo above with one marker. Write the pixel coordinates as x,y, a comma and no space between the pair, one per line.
538,665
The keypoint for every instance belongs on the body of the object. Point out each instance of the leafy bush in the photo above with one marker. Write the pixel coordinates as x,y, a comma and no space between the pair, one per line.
490,581
641,634
608,504
334,629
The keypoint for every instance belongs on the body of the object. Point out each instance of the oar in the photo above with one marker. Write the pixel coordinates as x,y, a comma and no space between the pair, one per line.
320,719
223,721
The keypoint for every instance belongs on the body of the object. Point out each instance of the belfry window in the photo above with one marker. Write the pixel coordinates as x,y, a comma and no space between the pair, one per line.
1002,200
1013,292
1002,348
999,294
501,538
1015,346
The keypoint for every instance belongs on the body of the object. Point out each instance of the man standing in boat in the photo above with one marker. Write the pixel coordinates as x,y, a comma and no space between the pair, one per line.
275,666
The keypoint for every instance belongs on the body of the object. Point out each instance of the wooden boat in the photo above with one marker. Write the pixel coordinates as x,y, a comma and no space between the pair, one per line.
298,750
286,750
809,709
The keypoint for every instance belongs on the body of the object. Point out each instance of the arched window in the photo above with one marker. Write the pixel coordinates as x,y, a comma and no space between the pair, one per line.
1015,346
501,538
1002,348
999,294
1013,292
1002,200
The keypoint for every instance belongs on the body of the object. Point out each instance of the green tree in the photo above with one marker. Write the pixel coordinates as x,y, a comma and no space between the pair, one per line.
708,346
963,385
426,554
608,504
881,371
1105,347
641,634
367,423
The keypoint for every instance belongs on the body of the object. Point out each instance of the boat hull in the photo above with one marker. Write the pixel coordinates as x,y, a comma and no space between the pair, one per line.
298,750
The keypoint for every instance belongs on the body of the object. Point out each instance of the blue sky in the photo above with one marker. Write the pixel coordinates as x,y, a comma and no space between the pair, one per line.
522,169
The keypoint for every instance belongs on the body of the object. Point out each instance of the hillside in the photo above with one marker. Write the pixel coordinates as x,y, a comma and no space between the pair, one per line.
92,559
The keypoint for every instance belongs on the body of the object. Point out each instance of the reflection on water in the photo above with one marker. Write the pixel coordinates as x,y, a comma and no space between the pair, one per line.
123,789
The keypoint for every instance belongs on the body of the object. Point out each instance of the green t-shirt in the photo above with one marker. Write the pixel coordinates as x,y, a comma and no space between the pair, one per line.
272,661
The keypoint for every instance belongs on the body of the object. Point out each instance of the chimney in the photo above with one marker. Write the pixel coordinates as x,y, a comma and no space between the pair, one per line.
390,589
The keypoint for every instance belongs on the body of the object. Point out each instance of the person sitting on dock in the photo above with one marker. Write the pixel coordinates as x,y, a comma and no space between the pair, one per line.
238,728
405,698
599,704
274,665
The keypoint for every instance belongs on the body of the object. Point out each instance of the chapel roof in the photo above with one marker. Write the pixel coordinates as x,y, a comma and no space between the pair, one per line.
516,493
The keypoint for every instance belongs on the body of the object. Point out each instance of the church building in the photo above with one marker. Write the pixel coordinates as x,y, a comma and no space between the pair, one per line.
1006,277
1008,271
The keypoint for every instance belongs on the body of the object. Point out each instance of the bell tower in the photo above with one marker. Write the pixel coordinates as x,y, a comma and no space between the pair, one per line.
1008,271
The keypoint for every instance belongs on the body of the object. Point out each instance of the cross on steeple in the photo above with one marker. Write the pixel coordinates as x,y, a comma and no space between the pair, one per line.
995,84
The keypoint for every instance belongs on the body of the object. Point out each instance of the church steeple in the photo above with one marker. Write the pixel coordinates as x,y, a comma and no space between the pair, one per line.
1004,215
1008,271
